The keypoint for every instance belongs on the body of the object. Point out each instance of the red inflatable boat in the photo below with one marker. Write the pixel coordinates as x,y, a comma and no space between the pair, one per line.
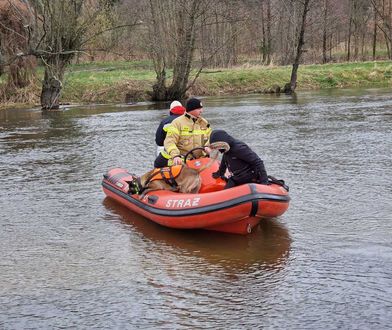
235,210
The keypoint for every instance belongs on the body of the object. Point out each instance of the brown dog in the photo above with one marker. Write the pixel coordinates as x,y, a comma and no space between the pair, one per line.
187,181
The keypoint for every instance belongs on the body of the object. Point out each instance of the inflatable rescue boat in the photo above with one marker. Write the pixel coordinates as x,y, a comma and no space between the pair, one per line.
236,210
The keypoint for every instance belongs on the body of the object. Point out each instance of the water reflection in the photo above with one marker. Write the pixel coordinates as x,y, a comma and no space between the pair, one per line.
63,250
39,130
267,248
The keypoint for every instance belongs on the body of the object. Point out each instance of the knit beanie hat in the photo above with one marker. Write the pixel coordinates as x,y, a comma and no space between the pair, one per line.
176,108
193,104
219,135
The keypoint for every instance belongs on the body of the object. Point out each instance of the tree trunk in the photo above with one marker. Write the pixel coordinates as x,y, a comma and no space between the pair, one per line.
263,35
233,59
293,80
21,72
325,59
182,65
390,28
1,64
158,55
185,51
159,88
269,37
387,43
374,34
51,91
13,42
186,20
387,30
349,34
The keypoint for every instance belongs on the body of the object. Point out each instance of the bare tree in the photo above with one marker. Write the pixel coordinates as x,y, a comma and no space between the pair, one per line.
325,20
184,36
268,37
63,29
374,41
14,43
300,44
63,26
179,33
269,30
383,10
266,26
350,24
221,35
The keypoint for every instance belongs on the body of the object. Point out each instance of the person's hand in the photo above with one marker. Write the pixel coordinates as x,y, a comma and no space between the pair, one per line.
177,160
261,176
207,150
216,175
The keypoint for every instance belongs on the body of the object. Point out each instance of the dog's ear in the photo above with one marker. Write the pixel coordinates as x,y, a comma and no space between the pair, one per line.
214,154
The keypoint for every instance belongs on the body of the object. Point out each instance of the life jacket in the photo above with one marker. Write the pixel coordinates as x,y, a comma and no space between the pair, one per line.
166,173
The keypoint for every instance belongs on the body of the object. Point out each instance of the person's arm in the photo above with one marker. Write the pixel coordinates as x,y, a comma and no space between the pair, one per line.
171,140
221,171
256,164
208,133
206,137
160,135
261,173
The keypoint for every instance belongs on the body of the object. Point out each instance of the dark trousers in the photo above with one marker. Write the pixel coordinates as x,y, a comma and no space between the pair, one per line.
249,177
160,161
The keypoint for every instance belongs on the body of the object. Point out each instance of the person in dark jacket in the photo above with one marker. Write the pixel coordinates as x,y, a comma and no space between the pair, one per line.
176,110
244,165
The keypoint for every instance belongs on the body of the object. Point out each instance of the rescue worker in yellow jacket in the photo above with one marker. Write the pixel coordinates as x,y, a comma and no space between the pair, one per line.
186,132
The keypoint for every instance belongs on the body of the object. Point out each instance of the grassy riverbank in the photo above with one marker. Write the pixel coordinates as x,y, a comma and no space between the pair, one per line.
116,82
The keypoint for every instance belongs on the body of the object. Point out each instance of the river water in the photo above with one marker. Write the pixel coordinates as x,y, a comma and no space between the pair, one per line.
72,259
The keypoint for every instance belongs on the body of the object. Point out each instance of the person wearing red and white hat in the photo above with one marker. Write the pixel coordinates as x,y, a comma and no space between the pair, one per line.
187,132
176,110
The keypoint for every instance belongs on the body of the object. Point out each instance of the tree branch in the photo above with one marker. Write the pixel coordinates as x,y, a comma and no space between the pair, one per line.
109,29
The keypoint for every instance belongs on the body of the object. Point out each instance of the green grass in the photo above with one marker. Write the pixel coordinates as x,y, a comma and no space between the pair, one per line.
126,65
106,81
309,76
347,74
110,81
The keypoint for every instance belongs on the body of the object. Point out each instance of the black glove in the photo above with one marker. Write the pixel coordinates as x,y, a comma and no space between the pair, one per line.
262,175
216,175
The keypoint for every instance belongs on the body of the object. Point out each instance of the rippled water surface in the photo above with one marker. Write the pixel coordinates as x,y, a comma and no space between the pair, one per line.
72,259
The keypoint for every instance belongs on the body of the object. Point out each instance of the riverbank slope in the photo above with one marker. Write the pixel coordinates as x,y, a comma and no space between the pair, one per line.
125,82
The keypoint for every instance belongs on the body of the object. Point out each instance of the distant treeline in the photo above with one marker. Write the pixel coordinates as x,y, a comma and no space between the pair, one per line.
183,37
231,32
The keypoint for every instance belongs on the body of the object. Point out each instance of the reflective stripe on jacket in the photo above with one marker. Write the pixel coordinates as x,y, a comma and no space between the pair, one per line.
185,133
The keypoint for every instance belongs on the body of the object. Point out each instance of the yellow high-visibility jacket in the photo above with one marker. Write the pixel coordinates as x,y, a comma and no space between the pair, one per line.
185,133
